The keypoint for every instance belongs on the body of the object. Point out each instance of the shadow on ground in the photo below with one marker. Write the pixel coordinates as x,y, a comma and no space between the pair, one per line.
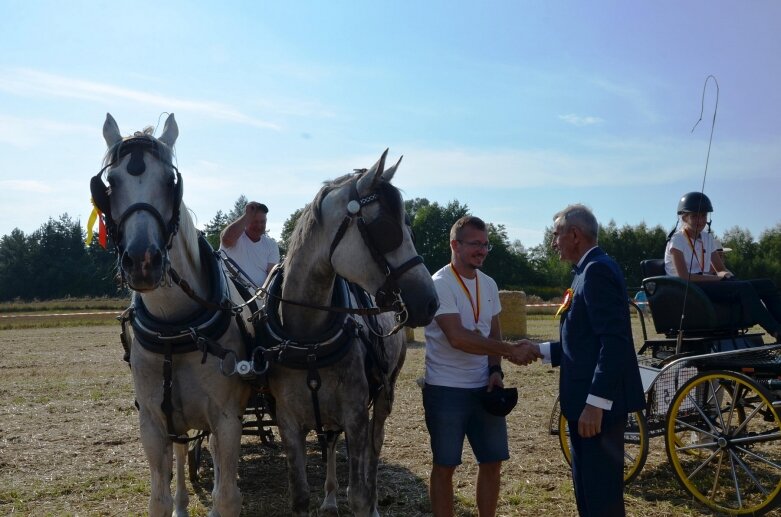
263,481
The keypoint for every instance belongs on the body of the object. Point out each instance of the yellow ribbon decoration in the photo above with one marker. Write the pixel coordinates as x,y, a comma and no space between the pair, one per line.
93,217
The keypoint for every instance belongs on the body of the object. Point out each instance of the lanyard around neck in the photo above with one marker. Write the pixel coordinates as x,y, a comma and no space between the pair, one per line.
475,307
701,259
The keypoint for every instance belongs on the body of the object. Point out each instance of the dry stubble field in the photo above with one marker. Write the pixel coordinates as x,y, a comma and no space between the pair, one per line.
69,441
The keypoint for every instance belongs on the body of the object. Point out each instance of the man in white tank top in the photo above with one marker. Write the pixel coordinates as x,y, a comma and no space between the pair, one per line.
246,242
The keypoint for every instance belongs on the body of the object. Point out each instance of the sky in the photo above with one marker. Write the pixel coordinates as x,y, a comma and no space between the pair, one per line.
512,108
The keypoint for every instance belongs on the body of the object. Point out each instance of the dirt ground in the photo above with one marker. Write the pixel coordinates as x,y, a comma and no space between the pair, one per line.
69,443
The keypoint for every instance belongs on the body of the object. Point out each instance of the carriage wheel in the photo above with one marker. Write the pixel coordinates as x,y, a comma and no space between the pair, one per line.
635,444
722,439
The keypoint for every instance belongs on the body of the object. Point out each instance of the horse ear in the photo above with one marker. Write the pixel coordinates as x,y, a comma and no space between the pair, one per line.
388,174
170,131
369,180
111,131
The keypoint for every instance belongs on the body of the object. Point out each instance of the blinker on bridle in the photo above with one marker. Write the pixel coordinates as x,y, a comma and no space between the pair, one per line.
382,235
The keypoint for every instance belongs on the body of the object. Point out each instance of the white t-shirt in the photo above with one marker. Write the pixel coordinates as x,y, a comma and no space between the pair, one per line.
254,257
446,365
704,246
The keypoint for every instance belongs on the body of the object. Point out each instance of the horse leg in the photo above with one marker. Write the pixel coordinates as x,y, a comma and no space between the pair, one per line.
329,505
224,443
181,497
294,440
356,434
383,405
158,452
377,439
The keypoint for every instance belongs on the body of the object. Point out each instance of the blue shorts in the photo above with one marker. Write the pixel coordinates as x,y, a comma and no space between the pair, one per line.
451,414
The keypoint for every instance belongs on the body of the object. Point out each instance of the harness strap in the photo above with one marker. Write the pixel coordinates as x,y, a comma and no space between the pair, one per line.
124,338
313,382
167,405
339,234
185,286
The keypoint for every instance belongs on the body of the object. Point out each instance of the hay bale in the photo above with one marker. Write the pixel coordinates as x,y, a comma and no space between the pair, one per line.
409,334
513,315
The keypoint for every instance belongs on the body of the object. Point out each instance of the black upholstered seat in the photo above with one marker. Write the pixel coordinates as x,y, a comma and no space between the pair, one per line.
702,317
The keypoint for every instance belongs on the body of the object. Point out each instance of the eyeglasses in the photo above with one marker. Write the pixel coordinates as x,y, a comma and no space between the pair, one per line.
487,246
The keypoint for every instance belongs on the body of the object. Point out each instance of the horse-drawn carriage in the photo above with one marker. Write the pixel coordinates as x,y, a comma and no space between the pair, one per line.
713,390
188,351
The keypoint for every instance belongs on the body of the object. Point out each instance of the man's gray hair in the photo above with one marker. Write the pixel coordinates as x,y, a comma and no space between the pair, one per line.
579,216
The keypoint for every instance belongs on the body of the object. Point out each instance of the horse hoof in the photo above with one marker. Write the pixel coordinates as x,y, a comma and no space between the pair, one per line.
329,506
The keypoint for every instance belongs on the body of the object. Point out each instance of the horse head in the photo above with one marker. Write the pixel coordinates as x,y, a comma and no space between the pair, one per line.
142,201
373,244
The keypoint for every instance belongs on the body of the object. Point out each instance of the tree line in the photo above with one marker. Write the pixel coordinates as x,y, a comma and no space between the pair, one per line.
53,261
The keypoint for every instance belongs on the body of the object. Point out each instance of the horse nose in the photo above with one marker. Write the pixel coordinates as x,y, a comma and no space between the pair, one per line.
143,262
432,307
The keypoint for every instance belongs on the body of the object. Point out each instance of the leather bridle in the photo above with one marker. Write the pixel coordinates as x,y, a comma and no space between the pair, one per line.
375,236
101,193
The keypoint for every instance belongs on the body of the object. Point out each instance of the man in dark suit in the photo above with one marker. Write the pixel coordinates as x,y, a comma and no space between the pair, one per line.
600,381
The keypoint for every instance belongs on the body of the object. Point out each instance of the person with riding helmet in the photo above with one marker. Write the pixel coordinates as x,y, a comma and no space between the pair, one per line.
695,255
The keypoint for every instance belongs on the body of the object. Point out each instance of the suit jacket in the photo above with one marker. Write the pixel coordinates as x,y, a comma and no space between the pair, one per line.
596,352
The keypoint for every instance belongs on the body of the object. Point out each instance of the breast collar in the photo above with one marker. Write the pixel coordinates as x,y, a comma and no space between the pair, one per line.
155,335
328,348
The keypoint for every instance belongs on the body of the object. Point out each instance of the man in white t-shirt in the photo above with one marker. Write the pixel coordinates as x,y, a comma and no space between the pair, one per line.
246,242
464,349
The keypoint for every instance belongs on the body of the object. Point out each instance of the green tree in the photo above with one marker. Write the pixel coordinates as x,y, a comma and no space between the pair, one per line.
411,206
742,257
214,227
59,259
431,225
770,255
14,265
287,230
509,267
630,245
220,220
238,208
553,273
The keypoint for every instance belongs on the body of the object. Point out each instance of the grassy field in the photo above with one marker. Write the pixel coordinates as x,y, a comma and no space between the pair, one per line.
69,441
67,312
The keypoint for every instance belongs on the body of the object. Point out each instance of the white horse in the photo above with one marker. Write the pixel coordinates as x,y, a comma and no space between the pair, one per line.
355,228
185,338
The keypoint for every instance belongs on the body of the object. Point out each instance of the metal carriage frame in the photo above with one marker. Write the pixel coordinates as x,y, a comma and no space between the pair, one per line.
716,400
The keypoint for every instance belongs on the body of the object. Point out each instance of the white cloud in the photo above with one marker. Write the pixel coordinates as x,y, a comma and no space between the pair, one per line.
25,82
25,133
577,120
637,98
602,163
37,187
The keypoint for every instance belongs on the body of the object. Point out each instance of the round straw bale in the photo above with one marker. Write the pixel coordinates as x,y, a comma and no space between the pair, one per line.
513,315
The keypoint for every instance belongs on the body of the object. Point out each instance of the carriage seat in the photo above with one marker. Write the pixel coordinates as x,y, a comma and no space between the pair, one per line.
703,317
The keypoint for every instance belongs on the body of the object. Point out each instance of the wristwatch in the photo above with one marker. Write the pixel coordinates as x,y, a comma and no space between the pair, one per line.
495,369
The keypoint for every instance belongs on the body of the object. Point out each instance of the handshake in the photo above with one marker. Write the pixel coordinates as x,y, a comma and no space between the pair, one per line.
522,352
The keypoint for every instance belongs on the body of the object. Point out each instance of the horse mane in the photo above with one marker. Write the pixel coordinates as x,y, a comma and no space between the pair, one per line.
389,195
311,215
188,230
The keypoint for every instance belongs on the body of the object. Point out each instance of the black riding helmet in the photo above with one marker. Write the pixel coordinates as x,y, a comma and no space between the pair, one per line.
694,202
